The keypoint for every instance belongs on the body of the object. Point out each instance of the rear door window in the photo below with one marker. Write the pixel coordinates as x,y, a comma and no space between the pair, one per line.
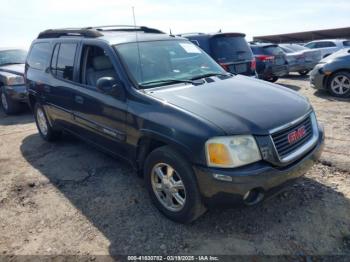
39,56
65,61
228,48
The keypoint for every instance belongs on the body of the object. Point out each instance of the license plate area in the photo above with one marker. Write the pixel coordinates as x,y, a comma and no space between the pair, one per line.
240,68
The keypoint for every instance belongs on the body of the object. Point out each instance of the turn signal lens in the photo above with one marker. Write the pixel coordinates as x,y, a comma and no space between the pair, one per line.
232,151
219,154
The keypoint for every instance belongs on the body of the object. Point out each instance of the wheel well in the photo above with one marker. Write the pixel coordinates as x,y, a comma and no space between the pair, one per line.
32,101
145,146
326,80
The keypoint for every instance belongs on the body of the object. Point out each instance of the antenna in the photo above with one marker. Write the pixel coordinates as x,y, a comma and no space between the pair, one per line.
137,44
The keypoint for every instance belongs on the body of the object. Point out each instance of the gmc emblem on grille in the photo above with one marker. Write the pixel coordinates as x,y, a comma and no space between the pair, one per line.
296,135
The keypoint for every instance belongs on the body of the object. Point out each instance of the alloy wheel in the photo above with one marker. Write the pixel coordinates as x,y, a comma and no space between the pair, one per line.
42,123
340,84
168,187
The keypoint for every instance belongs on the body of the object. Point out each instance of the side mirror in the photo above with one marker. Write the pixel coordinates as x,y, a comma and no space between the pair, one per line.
107,85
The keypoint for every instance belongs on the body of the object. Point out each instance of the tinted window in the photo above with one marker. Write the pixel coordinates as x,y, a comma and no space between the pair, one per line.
324,44
267,50
12,57
39,56
272,50
256,50
346,43
230,48
65,61
311,45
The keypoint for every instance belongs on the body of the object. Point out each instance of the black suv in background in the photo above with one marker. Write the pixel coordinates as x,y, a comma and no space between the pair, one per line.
271,62
13,92
230,50
199,135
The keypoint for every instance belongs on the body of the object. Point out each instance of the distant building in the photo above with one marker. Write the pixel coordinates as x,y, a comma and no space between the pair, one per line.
305,36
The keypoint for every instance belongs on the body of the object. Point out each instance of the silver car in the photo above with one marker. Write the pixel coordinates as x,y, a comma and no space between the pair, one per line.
328,46
300,59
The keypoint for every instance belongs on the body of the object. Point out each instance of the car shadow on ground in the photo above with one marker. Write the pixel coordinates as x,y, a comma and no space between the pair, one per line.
24,117
321,93
295,76
111,196
294,87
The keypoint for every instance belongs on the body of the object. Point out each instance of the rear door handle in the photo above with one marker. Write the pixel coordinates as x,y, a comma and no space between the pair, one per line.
79,99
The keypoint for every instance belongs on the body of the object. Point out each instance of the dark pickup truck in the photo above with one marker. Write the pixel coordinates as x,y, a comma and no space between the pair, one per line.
198,134
12,88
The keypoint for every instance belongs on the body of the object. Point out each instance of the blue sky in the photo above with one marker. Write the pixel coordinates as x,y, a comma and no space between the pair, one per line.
21,21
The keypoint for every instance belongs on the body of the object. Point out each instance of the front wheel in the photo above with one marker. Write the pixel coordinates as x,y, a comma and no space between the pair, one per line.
43,125
339,84
172,185
8,105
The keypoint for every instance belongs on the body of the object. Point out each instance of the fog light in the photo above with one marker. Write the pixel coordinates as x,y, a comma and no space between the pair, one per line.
223,177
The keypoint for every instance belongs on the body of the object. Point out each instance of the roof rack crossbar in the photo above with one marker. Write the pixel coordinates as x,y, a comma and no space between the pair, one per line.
126,28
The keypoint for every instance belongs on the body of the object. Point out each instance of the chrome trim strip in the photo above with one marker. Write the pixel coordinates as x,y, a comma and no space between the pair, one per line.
301,150
272,131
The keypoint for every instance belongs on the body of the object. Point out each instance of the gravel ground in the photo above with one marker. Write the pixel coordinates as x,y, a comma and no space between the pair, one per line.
68,198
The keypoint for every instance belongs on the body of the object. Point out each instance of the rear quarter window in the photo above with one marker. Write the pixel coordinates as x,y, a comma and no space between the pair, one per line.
39,56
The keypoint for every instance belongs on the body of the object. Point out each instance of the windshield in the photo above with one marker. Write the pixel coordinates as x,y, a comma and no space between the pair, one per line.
157,63
12,57
228,49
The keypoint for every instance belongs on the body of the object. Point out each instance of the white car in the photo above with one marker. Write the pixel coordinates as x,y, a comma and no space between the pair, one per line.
328,46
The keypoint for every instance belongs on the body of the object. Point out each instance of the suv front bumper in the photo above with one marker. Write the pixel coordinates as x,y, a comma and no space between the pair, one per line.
17,93
263,176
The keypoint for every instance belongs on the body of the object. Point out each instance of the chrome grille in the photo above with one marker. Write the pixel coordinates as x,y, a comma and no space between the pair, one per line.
280,138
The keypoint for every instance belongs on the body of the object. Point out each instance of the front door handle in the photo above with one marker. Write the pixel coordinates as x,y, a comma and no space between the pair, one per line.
79,99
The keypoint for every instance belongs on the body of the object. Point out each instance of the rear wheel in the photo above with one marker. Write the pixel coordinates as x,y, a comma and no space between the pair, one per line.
8,105
303,72
172,185
43,125
339,84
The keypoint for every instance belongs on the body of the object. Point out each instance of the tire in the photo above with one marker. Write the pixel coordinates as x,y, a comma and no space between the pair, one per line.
272,79
43,125
9,106
164,159
338,84
304,72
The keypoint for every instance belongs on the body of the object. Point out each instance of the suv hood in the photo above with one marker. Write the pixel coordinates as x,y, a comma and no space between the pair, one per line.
17,69
238,105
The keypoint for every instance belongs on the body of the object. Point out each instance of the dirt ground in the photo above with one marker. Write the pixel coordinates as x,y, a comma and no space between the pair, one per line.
68,198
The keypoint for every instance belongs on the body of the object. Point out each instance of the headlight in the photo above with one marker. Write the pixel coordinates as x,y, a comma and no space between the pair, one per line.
14,80
232,151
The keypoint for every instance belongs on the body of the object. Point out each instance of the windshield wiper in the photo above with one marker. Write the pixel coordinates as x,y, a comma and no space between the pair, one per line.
15,63
165,82
209,75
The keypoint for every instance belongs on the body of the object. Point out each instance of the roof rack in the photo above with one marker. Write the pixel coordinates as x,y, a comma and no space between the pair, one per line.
193,33
126,28
96,31
54,33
